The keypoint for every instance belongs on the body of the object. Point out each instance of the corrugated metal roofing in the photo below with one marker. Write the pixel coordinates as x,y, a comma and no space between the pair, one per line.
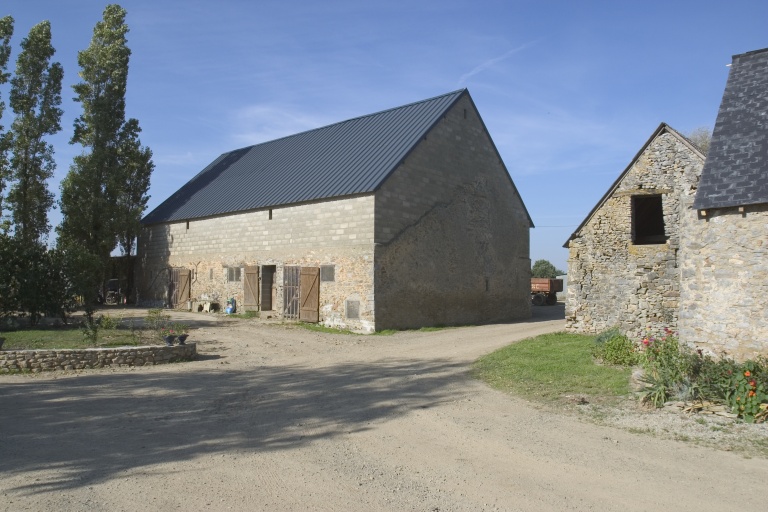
343,159
736,170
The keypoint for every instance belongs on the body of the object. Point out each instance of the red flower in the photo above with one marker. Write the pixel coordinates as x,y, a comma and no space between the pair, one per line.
752,383
747,374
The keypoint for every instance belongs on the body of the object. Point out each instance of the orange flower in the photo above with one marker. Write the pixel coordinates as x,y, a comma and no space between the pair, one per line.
751,393
747,374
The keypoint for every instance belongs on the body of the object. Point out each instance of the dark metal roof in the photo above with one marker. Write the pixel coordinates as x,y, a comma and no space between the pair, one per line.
736,170
662,129
343,159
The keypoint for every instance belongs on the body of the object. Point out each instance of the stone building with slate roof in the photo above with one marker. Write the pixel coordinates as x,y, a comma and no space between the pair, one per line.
400,219
624,258
682,243
724,249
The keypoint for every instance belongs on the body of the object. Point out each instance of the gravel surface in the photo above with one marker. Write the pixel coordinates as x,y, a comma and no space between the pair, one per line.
279,418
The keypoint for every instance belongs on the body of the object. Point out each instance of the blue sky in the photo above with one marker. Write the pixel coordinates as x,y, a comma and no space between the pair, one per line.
569,90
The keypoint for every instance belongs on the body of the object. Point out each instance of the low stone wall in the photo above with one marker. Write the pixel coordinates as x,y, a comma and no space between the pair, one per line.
37,361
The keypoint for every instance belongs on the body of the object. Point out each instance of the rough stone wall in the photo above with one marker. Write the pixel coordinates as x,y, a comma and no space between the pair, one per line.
724,293
334,232
452,233
36,361
613,282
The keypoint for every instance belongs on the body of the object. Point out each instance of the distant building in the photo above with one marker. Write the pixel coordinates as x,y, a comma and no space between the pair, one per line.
399,219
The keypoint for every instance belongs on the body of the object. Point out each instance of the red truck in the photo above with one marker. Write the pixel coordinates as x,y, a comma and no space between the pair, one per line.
544,290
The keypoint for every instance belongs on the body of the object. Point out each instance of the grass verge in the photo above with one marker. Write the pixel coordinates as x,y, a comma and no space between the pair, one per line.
550,366
71,337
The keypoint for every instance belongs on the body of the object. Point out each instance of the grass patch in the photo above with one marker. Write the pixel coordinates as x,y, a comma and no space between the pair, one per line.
71,337
246,314
322,328
547,367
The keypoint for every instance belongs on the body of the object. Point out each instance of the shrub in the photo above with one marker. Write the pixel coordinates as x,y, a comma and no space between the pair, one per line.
676,371
612,347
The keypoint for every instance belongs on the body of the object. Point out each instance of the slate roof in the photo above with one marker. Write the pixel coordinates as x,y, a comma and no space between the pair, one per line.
736,170
343,159
663,128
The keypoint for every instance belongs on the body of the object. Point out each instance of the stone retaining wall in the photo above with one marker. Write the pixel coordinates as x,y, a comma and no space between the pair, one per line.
78,359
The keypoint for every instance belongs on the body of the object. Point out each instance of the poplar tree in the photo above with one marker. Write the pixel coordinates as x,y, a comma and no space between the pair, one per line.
107,184
35,98
6,31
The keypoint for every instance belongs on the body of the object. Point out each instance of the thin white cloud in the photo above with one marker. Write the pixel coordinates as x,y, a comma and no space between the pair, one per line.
492,62
261,123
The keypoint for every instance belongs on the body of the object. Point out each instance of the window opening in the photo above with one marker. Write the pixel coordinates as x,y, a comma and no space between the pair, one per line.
327,273
648,220
233,274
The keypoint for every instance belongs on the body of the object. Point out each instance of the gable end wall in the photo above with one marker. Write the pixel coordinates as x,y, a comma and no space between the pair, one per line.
613,282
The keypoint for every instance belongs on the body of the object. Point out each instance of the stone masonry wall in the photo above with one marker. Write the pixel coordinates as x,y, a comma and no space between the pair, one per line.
613,282
452,233
335,232
724,293
36,361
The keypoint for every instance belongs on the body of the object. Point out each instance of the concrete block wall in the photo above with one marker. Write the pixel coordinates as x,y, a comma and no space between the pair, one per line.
452,232
613,282
336,232
724,292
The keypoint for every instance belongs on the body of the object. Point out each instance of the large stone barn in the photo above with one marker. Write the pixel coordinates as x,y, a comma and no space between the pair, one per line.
724,251
624,258
399,219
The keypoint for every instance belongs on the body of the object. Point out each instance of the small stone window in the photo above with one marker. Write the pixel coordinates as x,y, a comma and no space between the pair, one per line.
210,274
327,273
353,309
233,274
648,220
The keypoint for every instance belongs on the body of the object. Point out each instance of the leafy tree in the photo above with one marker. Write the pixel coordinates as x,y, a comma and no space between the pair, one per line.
701,137
6,31
137,166
35,99
543,268
105,191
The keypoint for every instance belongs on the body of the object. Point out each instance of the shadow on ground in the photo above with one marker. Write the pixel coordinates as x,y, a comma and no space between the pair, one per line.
87,429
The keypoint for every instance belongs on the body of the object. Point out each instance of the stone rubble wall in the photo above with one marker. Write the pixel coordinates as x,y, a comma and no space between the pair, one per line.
452,233
613,282
724,292
36,361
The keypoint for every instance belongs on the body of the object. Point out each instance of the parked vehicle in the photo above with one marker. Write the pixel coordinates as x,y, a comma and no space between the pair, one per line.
544,290
115,294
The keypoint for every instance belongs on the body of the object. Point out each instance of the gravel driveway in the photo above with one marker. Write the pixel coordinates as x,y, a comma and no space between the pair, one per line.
280,418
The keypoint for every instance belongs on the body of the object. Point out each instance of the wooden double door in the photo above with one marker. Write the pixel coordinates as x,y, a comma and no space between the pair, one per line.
301,291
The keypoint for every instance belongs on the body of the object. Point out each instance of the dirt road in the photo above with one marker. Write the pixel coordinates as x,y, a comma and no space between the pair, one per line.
281,419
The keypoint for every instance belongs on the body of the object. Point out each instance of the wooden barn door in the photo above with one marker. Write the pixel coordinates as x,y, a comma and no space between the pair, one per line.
251,283
180,287
310,294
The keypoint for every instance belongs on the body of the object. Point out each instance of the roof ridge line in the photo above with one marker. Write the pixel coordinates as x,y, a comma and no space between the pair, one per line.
337,123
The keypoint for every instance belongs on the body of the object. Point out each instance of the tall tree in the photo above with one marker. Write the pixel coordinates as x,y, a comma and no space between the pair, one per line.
6,31
35,99
105,191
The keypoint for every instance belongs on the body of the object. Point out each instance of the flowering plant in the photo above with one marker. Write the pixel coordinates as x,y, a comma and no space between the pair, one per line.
181,329
747,394
167,331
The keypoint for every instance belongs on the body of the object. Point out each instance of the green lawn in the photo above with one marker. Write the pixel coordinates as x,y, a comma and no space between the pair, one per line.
550,366
72,337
